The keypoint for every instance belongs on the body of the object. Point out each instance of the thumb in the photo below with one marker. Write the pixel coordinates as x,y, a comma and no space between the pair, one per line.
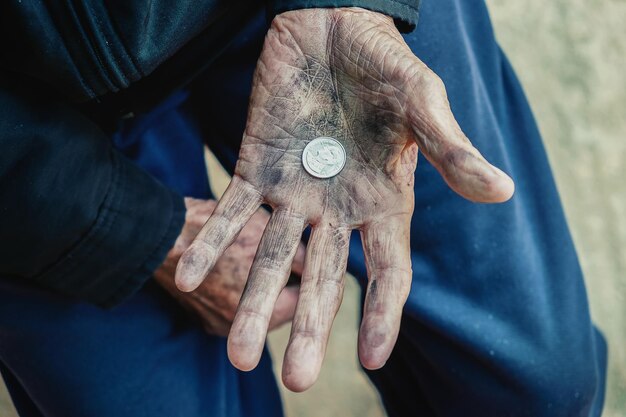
446,147
285,307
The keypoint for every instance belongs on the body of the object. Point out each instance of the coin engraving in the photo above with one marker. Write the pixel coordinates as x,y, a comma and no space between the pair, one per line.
324,157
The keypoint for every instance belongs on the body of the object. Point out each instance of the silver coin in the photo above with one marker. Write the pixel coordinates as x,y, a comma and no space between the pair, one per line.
324,157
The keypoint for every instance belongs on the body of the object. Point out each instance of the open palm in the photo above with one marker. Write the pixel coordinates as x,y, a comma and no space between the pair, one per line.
345,74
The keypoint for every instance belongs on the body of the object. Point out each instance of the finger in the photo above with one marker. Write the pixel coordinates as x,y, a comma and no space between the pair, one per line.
214,324
388,258
203,310
321,292
446,147
238,204
297,266
285,307
213,312
268,276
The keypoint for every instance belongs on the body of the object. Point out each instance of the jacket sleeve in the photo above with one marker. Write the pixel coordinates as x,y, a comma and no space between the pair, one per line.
404,12
77,217
88,48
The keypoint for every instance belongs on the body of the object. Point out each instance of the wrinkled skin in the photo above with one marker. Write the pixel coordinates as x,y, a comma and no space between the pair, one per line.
344,73
215,301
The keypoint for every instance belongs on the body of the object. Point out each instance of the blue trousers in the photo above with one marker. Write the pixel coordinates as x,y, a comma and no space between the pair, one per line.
497,321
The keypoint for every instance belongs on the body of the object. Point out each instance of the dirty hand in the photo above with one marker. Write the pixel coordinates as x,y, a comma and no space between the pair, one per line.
344,73
215,301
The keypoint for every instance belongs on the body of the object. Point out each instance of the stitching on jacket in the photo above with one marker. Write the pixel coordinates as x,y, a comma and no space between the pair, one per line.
70,52
125,48
92,46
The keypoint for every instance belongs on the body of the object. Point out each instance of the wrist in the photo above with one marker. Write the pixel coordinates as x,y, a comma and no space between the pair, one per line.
404,13
304,20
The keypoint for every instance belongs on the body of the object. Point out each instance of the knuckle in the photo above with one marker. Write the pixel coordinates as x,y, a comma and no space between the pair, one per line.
427,83
251,313
331,288
309,333
436,83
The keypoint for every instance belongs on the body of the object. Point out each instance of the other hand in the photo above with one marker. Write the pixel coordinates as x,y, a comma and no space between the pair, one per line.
215,301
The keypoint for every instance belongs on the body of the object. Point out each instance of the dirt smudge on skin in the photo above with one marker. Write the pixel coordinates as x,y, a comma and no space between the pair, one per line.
372,294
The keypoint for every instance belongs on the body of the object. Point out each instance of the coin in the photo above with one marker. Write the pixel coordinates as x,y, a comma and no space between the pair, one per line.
324,157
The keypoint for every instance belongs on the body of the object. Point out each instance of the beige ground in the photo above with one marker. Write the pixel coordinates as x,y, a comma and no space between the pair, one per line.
571,57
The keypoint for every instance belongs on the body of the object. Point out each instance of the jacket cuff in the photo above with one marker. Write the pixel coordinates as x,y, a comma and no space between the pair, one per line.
404,12
137,224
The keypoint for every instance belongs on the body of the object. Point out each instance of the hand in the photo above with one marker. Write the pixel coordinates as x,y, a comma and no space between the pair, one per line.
347,74
215,301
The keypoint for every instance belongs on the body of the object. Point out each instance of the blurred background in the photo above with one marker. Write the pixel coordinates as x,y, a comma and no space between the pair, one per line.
571,58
